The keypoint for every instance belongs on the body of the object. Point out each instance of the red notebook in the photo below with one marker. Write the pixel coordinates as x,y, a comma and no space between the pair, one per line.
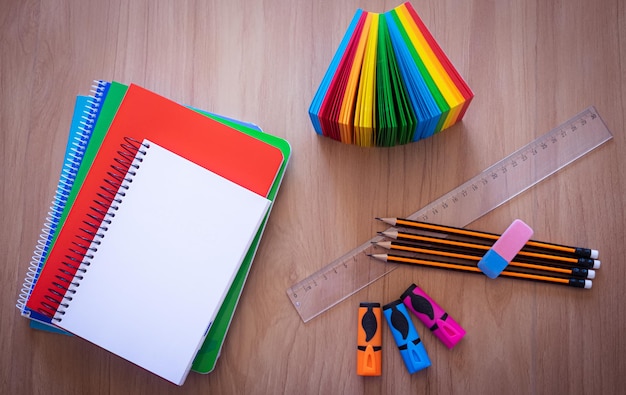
231,154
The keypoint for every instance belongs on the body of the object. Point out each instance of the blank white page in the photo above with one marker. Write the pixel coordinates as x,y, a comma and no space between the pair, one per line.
165,264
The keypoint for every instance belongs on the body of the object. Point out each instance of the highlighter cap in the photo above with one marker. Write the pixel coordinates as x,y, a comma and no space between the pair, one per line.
444,327
406,337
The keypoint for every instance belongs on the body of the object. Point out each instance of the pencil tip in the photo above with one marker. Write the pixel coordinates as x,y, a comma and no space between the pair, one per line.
381,257
384,244
390,233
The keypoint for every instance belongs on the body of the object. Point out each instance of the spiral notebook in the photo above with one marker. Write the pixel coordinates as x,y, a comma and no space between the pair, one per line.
108,97
163,258
238,157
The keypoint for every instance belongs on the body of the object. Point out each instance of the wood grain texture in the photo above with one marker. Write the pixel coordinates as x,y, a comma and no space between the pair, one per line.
532,65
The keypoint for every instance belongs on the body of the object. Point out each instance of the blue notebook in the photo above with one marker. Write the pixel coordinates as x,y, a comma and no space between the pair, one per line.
86,111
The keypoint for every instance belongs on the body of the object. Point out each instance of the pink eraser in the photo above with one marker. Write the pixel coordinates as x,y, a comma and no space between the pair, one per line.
433,316
505,248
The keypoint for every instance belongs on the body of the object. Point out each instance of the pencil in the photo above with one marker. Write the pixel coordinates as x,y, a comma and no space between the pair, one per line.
575,251
581,262
575,272
572,282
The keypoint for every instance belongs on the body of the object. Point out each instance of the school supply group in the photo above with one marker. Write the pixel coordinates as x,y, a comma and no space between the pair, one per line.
512,254
405,335
389,83
428,245
475,197
148,183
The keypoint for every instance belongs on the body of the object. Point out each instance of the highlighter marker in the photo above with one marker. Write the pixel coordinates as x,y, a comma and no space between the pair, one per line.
433,316
369,340
404,333
505,249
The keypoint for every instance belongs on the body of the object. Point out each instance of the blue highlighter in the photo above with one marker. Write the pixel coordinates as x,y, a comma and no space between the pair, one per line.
404,333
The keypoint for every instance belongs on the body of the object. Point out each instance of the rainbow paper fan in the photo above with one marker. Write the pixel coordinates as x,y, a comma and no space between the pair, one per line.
389,83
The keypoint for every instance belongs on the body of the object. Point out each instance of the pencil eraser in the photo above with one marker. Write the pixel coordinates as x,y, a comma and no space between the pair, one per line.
406,337
505,249
369,340
444,327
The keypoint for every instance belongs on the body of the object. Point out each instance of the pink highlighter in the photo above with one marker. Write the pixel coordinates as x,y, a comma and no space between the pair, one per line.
505,249
434,317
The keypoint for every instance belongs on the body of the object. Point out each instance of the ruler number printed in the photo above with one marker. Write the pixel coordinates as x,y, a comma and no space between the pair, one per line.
532,151
310,285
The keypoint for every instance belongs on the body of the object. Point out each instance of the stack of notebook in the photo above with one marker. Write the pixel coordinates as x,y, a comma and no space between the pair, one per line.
389,83
154,225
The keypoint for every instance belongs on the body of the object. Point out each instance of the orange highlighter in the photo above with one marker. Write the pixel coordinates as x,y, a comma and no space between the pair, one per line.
369,340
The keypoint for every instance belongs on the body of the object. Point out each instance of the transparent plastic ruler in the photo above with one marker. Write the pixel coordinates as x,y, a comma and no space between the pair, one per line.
494,186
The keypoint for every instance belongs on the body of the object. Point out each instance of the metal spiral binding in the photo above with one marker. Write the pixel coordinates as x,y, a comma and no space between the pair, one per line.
107,201
66,180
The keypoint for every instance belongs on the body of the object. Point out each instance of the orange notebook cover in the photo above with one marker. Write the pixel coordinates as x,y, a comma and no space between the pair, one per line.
143,114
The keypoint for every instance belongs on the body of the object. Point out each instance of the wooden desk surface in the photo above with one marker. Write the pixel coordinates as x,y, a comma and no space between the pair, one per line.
531,64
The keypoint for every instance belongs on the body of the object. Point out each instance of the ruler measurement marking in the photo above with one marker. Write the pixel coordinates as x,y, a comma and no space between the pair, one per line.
522,169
